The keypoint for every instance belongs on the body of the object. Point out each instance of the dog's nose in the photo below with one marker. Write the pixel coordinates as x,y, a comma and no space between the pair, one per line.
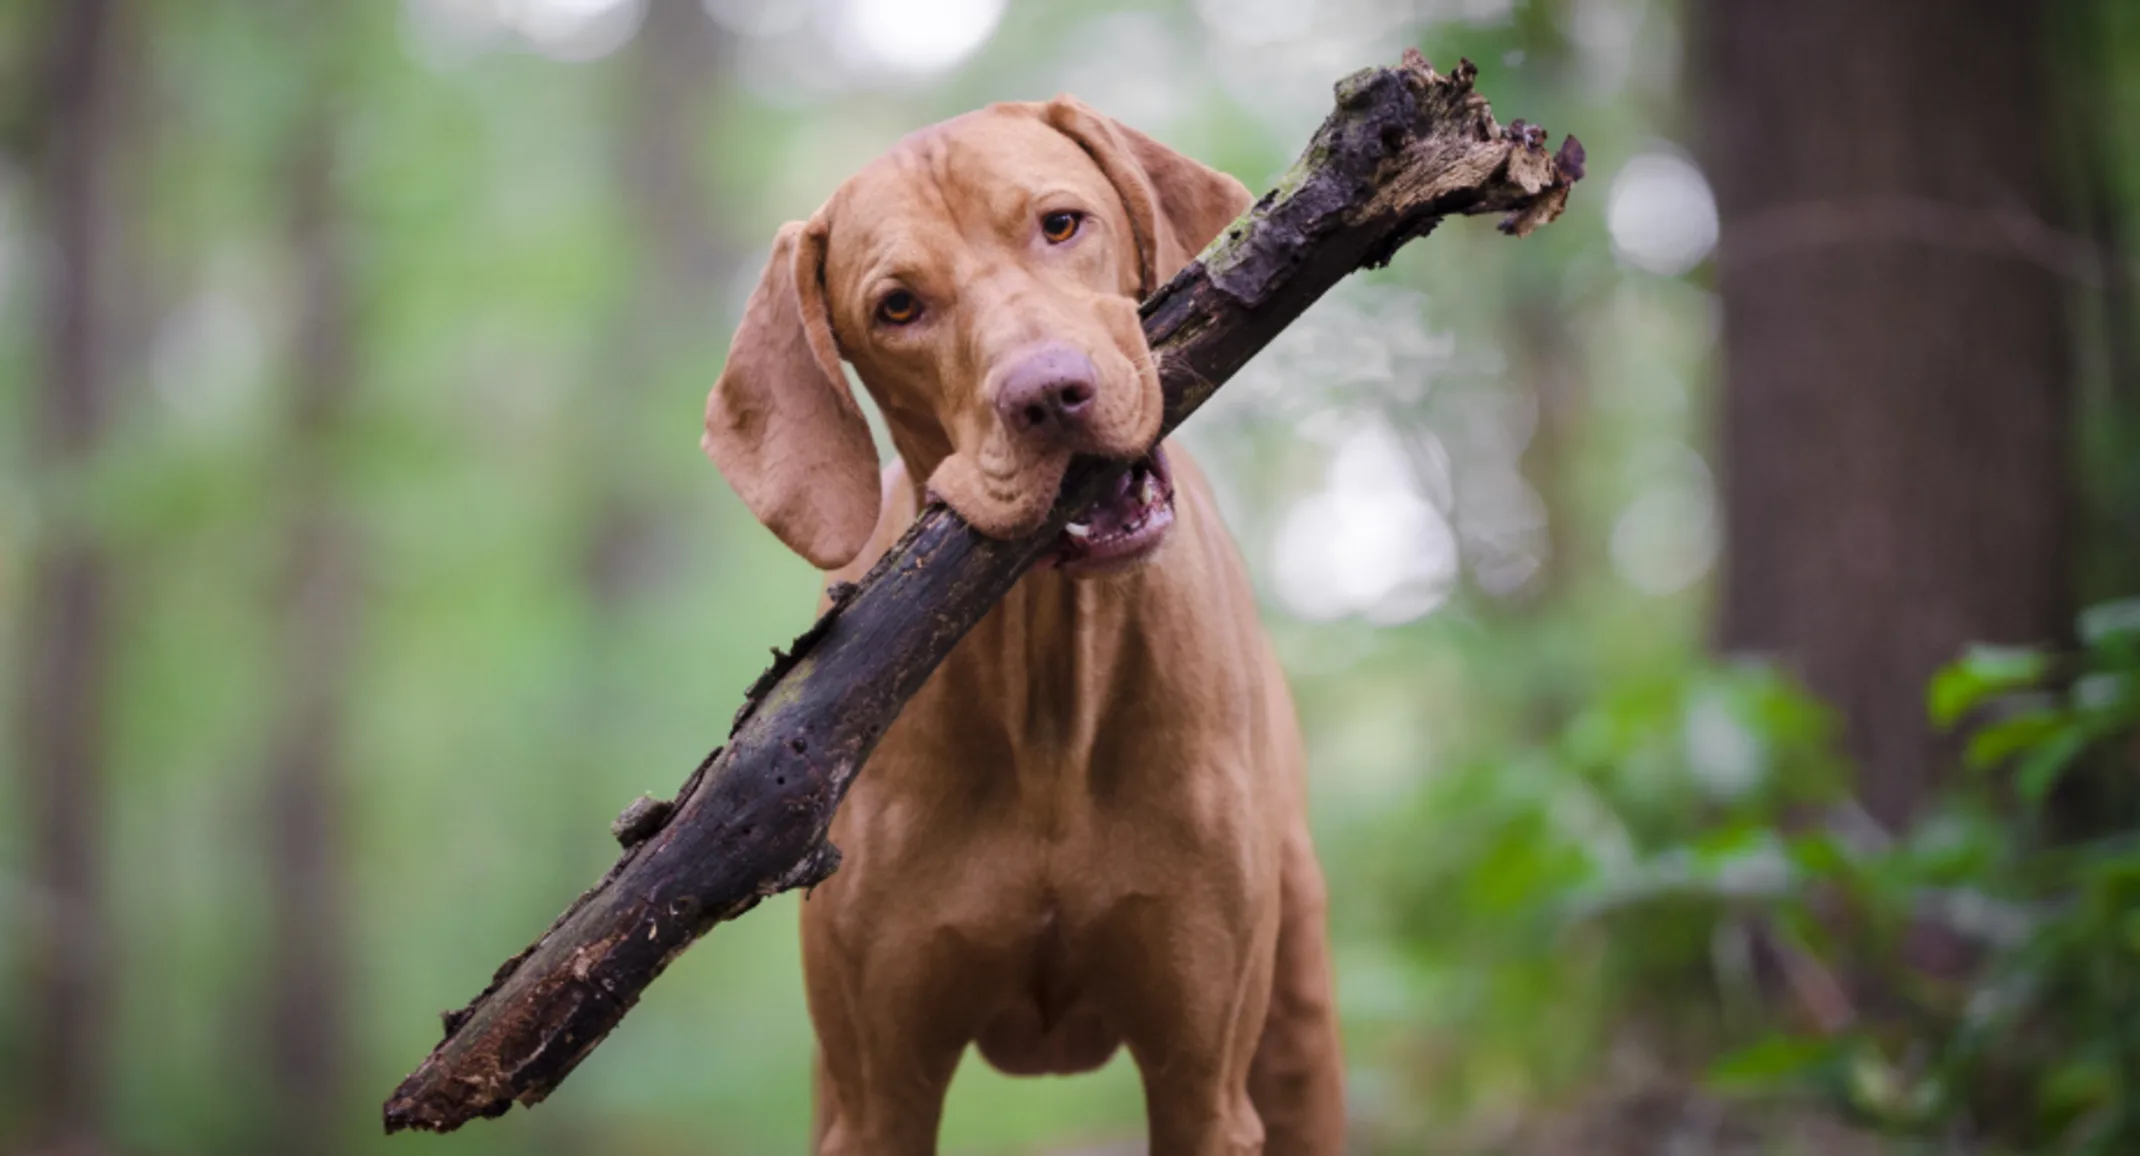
1048,393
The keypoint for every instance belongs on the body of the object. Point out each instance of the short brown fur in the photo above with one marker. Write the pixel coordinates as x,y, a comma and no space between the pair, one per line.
1089,828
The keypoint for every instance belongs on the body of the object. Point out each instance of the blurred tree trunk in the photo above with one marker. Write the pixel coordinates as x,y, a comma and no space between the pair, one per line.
1546,352
657,335
672,75
66,670
668,76
318,602
1896,406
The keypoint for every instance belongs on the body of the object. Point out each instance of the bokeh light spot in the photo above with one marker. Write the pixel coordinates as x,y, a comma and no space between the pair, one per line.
1666,539
573,31
1369,543
1661,214
1257,21
914,36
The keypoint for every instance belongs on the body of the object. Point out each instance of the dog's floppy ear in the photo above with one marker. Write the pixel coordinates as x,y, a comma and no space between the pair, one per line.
1176,205
781,423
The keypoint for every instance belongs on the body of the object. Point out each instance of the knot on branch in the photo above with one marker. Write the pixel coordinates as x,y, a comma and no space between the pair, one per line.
638,821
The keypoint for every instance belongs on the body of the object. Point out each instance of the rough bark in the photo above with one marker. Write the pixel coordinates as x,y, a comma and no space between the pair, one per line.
318,605
1404,148
1896,403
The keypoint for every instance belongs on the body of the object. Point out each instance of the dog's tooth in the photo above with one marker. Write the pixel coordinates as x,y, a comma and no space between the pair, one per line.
1078,530
1148,492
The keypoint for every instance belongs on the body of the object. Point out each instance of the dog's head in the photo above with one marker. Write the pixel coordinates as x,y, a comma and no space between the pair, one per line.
983,278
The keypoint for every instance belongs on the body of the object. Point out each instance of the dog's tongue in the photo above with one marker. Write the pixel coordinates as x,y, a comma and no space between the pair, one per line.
1127,521
1113,512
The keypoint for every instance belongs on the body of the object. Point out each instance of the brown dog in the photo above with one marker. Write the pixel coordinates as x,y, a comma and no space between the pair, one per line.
1089,828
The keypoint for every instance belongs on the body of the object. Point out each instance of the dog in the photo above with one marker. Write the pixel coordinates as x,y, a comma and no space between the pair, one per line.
1088,830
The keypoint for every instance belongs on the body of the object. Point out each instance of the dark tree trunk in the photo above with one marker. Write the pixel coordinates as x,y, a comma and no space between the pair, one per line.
318,606
68,609
1896,402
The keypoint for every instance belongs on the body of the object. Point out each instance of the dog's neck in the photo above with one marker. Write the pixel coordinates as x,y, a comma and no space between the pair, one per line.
1064,634
1026,671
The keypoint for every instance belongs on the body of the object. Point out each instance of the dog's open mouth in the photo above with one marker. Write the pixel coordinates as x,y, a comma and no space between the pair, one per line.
1126,525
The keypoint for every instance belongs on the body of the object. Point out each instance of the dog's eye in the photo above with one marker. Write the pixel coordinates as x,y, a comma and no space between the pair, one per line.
899,307
1060,226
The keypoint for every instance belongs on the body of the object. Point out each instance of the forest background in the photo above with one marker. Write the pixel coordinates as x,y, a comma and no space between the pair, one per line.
1711,618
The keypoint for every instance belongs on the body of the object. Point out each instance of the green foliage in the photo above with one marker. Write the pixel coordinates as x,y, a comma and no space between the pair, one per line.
1982,673
1681,861
1989,969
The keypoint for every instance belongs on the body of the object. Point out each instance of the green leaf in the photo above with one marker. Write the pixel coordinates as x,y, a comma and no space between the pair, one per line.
2077,1087
1982,673
1819,856
2044,766
1992,745
2107,620
2114,694
1770,1061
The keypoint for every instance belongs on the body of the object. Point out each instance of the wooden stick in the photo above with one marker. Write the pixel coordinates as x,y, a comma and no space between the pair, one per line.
1404,148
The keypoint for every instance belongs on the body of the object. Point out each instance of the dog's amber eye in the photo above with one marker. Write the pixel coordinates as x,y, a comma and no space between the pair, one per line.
899,307
1060,226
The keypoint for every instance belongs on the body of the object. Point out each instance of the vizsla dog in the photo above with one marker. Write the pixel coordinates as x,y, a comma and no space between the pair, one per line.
1088,830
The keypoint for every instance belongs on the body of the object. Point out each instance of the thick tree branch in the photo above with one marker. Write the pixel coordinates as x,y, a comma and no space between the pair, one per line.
1404,148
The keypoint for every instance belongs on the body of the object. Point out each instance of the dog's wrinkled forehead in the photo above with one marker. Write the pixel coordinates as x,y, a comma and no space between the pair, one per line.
967,184
982,280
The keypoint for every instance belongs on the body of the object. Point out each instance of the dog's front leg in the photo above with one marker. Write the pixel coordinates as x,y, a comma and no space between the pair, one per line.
891,1027
1190,999
1298,1080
